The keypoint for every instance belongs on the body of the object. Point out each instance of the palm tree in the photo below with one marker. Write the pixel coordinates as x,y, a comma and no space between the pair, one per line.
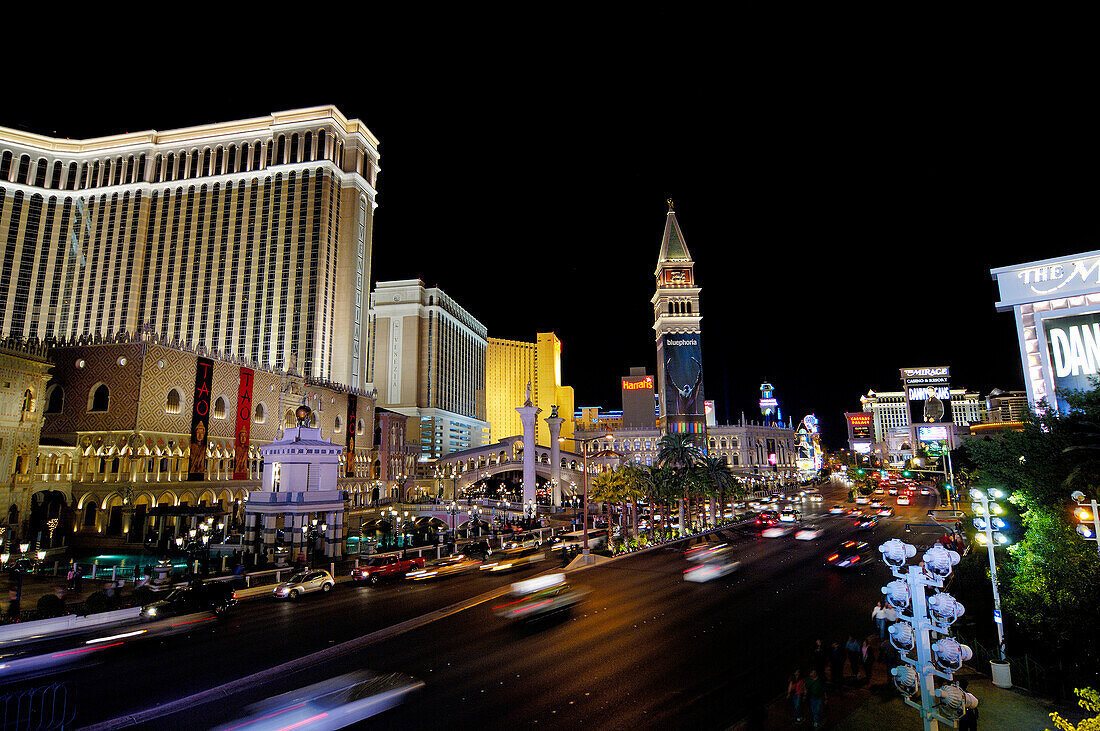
679,452
718,475
634,484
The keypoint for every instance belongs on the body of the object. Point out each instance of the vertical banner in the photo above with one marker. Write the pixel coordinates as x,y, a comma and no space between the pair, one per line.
244,424
349,462
200,418
684,402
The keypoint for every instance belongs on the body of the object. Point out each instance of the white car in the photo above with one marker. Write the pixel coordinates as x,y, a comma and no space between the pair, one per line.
903,500
808,533
924,491
777,531
837,510
788,515
876,503
305,582
815,497
862,499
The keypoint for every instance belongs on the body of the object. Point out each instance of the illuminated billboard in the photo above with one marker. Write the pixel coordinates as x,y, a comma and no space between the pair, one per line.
1073,350
928,391
860,425
682,354
932,433
638,402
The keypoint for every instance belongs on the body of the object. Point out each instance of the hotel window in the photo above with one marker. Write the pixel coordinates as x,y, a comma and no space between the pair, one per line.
5,165
258,416
219,408
173,403
99,399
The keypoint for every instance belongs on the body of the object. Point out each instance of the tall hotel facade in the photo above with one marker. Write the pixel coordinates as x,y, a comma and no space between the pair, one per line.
427,361
251,239
511,365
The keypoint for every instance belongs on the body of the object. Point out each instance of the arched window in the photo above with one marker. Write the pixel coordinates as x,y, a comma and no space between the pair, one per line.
218,161
338,425
55,399
169,166
55,179
70,182
173,405
28,402
205,170
231,159
99,398
307,148
293,148
288,419
280,150
255,156
24,169
5,164
40,173
321,145
219,408
259,416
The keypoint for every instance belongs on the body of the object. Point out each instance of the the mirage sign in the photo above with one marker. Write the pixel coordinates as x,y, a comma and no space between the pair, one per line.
1073,345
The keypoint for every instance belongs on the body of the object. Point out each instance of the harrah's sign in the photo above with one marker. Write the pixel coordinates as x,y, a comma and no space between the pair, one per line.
646,382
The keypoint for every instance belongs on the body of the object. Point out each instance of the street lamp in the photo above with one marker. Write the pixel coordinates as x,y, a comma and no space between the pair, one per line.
453,510
989,523
1088,522
584,454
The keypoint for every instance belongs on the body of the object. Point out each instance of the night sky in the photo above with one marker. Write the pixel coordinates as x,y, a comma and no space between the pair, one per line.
843,199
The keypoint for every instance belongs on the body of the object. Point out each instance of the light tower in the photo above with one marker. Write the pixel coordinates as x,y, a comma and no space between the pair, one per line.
769,405
676,324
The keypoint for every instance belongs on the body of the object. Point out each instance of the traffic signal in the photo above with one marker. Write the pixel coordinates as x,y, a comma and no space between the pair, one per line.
1088,523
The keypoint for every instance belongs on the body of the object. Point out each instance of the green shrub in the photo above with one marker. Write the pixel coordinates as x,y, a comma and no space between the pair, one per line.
97,602
51,605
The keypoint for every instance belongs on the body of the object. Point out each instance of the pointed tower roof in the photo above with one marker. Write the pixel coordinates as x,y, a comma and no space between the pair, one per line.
673,247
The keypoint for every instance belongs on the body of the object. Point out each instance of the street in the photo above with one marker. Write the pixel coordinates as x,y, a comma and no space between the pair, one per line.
645,649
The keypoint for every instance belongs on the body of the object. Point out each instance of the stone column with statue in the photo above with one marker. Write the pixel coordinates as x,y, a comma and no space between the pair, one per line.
554,422
528,413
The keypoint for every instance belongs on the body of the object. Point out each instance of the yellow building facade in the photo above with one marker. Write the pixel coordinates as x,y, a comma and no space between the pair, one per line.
510,366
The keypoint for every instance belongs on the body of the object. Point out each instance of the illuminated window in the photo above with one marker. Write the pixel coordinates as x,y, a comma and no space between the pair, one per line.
173,403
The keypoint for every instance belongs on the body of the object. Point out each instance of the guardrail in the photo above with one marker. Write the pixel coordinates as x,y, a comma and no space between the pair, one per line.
39,709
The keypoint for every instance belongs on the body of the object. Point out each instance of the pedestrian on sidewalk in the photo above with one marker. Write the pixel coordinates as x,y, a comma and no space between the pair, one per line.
868,656
815,692
820,658
796,691
879,615
891,615
71,576
836,657
969,720
13,603
854,656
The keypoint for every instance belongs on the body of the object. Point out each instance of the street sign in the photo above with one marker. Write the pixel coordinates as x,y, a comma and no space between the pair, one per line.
997,616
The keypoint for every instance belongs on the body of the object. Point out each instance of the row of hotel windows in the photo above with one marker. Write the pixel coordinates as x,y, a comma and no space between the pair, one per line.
99,401
181,165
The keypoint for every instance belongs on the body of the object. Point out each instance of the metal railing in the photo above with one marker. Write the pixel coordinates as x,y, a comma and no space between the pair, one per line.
1026,672
38,709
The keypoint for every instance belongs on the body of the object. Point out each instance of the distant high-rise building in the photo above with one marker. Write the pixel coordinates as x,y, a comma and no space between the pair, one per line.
428,360
510,366
639,403
676,318
249,238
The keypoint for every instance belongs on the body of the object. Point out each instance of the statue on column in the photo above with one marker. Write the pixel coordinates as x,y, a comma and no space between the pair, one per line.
527,402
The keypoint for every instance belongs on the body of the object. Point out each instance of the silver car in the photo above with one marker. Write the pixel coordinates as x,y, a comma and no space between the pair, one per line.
304,582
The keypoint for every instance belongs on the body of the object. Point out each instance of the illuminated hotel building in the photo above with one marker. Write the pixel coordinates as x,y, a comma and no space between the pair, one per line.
510,366
250,239
428,360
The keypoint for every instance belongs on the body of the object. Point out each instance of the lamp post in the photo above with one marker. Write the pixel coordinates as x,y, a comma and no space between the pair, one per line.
475,516
453,510
989,524
584,454
1088,522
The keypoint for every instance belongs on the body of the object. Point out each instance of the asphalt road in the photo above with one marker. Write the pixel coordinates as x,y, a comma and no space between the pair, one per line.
646,648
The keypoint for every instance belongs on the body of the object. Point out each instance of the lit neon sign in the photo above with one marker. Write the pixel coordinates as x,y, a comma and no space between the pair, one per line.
647,383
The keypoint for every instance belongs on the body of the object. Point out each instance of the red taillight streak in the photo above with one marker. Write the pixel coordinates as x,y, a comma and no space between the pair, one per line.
693,568
311,719
85,649
834,557
193,621
264,718
855,558
533,606
517,601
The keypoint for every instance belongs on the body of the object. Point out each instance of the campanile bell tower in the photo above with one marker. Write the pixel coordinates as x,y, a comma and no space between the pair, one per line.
676,318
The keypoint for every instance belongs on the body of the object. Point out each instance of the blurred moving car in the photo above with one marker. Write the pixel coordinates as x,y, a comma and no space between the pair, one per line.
373,570
885,512
331,704
866,522
789,515
214,597
450,566
862,499
478,549
521,544
837,510
539,597
850,554
777,531
903,500
808,532
305,582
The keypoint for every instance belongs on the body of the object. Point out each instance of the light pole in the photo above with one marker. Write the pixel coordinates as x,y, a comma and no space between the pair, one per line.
584,454
990,525
1085,516
453,510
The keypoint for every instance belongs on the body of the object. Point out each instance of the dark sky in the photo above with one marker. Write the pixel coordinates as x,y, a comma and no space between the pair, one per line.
843,189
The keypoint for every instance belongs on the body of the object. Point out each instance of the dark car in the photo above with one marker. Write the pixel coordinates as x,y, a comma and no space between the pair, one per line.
215,597
479,549
851,554
766,519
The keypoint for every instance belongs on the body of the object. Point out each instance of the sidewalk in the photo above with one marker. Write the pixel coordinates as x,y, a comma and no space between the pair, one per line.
863,706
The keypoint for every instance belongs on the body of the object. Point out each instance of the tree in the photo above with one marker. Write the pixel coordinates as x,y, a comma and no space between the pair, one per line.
680,453
1089,700
717,473
1048,583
